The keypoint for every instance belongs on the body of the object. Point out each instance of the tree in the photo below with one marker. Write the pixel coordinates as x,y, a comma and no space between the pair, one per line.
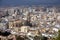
58,37
36,38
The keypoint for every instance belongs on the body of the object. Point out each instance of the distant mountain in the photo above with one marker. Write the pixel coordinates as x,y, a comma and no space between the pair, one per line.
28,2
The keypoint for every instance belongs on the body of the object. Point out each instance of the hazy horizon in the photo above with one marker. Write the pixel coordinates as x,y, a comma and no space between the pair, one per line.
29,2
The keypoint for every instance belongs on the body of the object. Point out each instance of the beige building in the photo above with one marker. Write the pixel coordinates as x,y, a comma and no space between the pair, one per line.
15,23
24,29
10,37
34,31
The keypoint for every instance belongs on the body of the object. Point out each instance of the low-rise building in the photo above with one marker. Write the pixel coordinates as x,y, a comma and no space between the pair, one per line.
24,29
15,23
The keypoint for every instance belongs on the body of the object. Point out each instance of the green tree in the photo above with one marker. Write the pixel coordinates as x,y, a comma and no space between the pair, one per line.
44,38
37,38
58,37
